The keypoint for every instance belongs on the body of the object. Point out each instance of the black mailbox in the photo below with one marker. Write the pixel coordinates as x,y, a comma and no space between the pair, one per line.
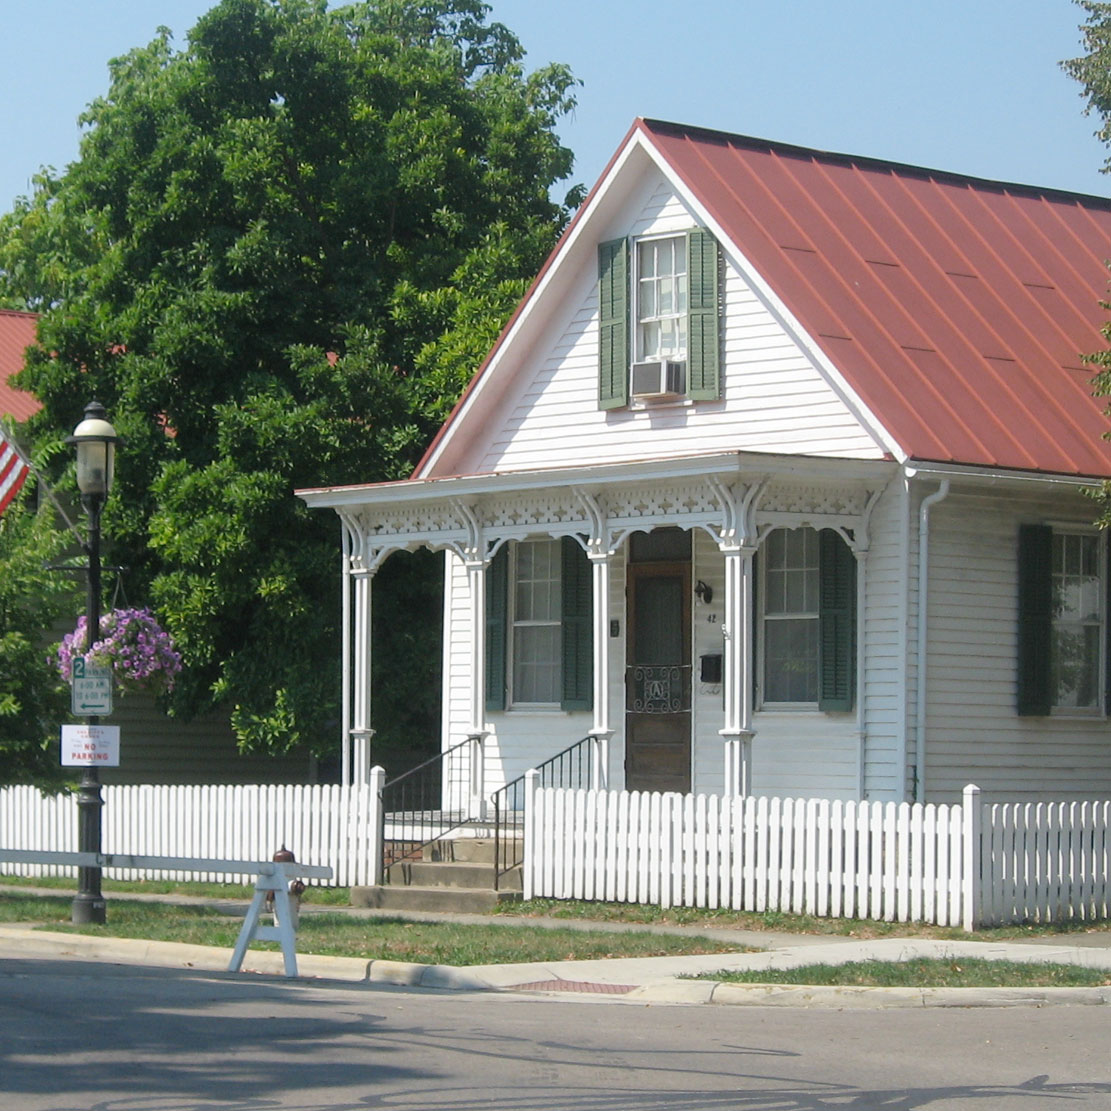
709,670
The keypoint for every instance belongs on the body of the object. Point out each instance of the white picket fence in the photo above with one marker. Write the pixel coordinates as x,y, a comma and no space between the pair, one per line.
967,864
971,863
322,825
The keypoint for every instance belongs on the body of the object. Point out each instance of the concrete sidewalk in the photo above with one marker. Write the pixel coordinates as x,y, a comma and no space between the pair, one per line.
640,979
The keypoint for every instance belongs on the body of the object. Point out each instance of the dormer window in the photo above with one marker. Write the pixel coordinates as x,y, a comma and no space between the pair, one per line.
658,319
661,299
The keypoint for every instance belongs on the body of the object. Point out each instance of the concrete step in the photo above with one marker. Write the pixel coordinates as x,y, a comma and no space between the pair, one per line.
460,874
457,899
471,850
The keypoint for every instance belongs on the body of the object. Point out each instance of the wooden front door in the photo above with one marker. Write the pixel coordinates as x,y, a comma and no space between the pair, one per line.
658,678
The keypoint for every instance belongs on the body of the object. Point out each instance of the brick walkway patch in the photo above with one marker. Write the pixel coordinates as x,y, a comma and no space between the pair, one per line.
575,985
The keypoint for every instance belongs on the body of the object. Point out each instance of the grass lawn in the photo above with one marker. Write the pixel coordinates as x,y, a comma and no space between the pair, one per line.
367,938
332,896
774,920
922,973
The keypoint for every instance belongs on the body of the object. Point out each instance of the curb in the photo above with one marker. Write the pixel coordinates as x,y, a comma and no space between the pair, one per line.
171,954
848,998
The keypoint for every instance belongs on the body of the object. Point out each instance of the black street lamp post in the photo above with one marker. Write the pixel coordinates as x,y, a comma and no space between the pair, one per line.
95,440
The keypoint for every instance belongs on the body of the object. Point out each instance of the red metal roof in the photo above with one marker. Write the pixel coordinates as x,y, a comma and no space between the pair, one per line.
956,308
17,333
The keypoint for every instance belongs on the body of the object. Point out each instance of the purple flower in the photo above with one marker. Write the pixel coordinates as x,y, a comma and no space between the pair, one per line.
139,651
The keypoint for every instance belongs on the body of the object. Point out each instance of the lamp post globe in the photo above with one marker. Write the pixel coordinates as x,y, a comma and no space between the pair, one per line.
95,442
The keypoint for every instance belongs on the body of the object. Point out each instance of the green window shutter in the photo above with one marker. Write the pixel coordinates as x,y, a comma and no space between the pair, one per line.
836,622
703,343
577,594
1035,619
497,605
613,324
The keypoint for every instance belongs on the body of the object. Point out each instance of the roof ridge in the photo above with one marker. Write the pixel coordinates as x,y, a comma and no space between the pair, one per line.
754,142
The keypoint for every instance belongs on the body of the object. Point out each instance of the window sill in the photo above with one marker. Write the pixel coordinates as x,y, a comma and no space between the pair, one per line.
638,406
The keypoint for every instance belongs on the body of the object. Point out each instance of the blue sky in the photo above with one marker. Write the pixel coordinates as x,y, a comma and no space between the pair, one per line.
967,85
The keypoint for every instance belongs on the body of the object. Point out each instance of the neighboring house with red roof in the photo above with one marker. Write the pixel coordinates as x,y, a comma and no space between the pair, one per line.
775,484
17,333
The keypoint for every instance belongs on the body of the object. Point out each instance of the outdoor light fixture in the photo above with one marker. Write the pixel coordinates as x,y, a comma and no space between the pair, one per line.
95,440
705,592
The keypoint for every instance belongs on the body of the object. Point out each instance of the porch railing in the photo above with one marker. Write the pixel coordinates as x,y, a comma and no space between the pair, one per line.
417,808
572,768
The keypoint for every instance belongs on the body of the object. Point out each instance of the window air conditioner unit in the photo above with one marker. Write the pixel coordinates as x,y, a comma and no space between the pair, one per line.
659,379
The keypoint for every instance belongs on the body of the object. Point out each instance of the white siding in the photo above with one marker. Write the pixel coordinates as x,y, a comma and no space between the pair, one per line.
774,397
973,732
533,736
886,644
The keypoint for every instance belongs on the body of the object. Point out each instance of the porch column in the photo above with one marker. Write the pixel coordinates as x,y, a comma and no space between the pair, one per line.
359,564
737,732
361,731
601,731
476,730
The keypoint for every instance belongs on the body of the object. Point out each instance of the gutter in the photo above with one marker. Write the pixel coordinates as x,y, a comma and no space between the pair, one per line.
928,503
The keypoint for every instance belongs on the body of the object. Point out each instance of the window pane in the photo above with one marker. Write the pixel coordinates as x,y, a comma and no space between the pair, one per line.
666,303
1077,635
791,660
661,298
791,571
536,672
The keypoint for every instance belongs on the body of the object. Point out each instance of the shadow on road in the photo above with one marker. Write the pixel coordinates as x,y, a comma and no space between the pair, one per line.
115,1038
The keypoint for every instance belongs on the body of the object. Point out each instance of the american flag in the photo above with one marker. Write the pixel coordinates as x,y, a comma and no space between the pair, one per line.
13,470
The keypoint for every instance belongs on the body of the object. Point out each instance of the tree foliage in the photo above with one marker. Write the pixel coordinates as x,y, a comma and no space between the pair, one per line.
33,699
277,260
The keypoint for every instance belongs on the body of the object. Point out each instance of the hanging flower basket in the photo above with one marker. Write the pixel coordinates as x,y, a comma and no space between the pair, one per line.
139,651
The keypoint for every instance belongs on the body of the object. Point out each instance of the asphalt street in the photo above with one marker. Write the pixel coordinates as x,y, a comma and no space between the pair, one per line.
83,1036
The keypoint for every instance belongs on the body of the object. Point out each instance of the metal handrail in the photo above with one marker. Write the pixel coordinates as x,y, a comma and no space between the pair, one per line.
564,769
417,797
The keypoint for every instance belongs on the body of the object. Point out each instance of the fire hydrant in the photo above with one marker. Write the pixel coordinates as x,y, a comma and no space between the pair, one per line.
296,890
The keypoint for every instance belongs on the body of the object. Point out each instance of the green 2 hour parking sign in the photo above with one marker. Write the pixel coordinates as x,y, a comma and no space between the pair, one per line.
92,689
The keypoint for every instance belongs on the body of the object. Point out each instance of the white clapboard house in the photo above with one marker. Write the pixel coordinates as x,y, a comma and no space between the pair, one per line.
775,484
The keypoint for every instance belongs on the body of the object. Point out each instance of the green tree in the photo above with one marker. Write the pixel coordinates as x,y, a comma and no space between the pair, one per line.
33,700
278,258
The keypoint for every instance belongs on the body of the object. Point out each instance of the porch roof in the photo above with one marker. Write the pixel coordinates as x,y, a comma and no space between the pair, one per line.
752,465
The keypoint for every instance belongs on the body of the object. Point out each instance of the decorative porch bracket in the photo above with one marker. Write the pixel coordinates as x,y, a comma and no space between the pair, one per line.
736,539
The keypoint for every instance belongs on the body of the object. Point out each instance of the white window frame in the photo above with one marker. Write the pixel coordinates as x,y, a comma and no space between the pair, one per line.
513,624
638,319
1062,532
763,618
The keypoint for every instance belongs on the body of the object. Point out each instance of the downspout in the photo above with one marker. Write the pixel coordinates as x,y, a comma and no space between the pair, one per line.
928,503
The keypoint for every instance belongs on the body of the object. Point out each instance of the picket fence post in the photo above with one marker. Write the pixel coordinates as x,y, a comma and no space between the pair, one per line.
532,781
971,820
377,823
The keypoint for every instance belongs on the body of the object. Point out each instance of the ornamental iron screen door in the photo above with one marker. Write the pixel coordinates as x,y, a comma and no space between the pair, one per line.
658,675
